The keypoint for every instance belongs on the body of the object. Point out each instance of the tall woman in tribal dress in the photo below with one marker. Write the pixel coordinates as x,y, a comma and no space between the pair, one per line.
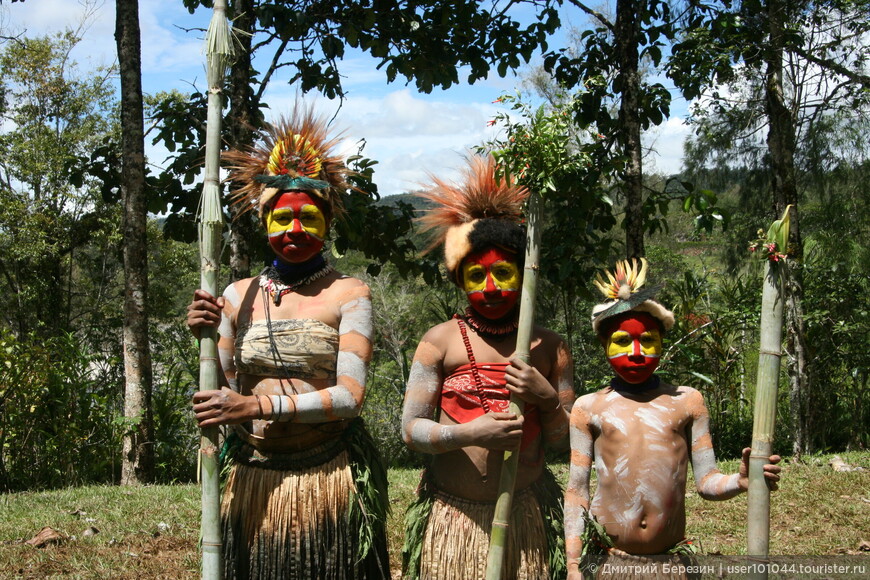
456,402
295,344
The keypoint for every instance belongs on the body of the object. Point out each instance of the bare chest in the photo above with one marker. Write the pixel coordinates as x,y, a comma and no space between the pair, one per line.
259,306
626,420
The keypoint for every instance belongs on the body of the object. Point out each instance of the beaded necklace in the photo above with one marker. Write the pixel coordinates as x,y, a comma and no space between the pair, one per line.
486,327
279,278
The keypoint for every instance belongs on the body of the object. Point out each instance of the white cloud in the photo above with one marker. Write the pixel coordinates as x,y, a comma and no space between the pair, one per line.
666,144
170,43
410,134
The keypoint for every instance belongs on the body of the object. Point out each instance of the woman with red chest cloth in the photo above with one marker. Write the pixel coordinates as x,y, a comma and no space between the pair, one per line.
295,343
456,402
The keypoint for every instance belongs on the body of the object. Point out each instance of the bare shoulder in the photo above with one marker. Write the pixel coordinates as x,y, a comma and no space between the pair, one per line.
552,345
689,399
687,393
235,292
441,334
590,401
348,287
433,345
240,286
549,337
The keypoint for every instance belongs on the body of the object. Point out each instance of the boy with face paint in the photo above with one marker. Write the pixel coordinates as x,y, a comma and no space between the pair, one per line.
641,434
294,344
456,402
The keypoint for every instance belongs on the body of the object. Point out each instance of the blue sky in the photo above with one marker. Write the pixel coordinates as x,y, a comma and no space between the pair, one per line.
409,133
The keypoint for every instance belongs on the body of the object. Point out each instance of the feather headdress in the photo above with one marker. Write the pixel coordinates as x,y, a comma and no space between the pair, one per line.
296,153
623,291
482,209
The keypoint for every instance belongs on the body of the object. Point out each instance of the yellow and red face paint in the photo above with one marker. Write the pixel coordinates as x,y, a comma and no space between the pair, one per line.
634,347
296,227
492,281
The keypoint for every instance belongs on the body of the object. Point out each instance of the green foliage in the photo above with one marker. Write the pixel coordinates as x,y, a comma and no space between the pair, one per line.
176,375
423,41
713,348
837,316
545,151
593,65
57,411
56,122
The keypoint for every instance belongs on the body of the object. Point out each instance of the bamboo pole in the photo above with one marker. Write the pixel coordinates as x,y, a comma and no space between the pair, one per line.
218,53
501,517
764,416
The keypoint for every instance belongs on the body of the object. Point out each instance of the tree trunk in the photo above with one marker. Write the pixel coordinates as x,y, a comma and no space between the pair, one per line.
138,448
244,116
799,367
781,147
627,33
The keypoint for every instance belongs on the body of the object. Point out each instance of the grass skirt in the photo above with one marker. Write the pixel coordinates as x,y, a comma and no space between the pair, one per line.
448,537
317,514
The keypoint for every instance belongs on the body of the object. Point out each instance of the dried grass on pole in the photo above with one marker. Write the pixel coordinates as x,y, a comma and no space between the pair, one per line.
219,54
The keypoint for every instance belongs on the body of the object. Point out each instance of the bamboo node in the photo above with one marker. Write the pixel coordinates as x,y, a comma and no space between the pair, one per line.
770,352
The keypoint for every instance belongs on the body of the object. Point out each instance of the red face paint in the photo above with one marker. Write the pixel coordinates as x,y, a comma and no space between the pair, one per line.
296,227
634,346
491,280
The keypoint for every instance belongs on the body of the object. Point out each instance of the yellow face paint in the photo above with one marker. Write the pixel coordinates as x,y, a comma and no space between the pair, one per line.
296,227
634,347
621,343
492,281
310,219
503,275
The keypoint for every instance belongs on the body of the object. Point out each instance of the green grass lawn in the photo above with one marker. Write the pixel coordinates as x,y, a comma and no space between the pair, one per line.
152,531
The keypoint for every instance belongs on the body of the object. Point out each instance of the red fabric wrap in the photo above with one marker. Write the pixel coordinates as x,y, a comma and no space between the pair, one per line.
461,401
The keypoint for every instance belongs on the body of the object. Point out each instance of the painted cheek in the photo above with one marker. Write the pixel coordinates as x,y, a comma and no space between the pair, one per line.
311,220
505,276
474,278
619,344
490,279
651,344
634,372
634,353
291,241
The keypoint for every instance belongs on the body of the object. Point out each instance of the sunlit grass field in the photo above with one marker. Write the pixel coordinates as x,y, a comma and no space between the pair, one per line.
152,531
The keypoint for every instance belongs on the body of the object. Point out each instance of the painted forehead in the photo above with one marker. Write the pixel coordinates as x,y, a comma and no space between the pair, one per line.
631,322
295,200
491,255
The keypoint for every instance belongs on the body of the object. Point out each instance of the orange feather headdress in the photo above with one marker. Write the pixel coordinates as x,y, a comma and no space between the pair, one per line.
296,153
483,209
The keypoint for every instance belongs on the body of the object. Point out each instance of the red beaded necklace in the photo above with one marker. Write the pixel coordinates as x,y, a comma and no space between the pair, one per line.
486,327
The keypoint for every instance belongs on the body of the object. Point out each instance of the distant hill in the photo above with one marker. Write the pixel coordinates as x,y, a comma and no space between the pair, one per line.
417,203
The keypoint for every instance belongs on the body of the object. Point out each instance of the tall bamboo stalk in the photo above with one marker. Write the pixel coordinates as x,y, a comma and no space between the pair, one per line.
218,54
501,517
758,517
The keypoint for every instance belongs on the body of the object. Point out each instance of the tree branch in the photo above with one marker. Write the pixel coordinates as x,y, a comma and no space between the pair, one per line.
834,66
595,14
271,70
